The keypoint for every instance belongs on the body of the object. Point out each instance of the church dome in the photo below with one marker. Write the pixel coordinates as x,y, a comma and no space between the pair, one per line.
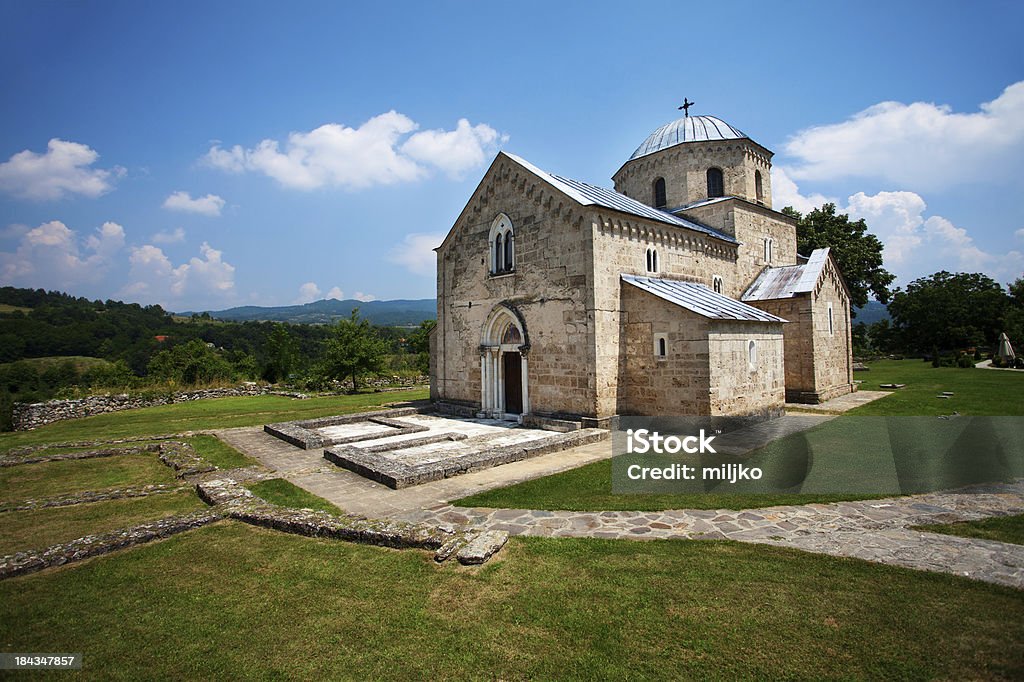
689,129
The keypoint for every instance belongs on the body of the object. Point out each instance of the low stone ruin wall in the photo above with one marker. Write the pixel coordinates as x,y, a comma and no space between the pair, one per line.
27,416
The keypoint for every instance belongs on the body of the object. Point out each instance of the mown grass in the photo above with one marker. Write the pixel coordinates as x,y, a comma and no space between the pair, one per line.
234,601
589,488
287,494
975,391
48,479
202,414
41,528
1001,528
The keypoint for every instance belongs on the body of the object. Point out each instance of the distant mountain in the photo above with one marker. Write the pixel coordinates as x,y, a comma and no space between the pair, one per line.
397,313
871,313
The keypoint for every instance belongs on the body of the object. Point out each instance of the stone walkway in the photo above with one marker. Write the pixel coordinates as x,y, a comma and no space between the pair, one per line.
843,403
876,530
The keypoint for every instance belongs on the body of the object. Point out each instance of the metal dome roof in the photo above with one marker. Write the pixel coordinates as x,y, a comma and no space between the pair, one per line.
689,129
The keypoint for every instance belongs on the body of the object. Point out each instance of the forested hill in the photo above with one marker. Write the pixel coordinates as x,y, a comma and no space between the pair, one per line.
381,313
871,313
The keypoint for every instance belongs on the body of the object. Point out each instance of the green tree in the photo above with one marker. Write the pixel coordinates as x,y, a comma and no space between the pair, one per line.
949,311
419,343
857,252
1013,323
282,352
352,349
190,363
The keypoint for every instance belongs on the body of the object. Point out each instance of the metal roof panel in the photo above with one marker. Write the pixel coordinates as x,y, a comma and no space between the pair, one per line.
699,299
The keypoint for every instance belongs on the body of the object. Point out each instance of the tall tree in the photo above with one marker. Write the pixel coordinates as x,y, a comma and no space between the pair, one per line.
282,354
419,343
1013,323
352,349
949,311
857,252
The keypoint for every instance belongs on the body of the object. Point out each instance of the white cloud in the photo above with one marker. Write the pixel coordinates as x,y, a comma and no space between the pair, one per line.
336,293
455,151
365,298
1019,234
918,146
336,155
308,292
786,193
55,256
917,245
205,278
65,168
416,252
174,236
210,205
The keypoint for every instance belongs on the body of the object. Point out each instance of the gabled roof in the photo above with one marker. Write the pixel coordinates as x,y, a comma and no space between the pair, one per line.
699,299
589,195
788,281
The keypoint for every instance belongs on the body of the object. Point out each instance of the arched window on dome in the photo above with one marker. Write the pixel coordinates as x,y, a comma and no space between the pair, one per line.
660,200
716,184
758,187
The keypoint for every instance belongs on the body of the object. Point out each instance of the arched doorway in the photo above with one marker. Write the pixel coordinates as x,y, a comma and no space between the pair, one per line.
504,349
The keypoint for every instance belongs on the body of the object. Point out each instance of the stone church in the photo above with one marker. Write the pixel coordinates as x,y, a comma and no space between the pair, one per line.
680,292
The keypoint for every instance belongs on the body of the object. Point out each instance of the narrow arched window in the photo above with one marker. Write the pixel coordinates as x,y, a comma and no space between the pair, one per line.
662,347
660,200
510,260
758,187
718,284
716,184
767,249
831,321
499,250
652,260
752,354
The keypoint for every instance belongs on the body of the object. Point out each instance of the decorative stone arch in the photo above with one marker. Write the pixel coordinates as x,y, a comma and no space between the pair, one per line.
501,243
504,375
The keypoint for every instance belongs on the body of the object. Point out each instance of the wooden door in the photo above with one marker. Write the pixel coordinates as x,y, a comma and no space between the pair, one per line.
513,382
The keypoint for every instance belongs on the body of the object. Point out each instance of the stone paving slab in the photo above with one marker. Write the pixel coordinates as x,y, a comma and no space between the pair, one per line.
840,404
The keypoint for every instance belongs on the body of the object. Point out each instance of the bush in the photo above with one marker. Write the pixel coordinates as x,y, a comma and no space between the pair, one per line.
965,362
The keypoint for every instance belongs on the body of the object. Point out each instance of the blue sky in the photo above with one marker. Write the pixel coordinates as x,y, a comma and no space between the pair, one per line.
207,154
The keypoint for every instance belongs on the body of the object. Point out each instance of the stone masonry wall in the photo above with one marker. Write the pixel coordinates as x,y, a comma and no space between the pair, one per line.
677,384
833,352
798,335
620,246
549,289
684,168
750,225
738,389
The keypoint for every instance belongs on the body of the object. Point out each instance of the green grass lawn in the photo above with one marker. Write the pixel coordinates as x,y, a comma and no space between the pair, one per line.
975,391
1001,528
287,494
589,488
48,479
202,414
236,602
41,528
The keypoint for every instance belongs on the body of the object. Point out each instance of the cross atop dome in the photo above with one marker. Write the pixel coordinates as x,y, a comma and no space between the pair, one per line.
686,107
